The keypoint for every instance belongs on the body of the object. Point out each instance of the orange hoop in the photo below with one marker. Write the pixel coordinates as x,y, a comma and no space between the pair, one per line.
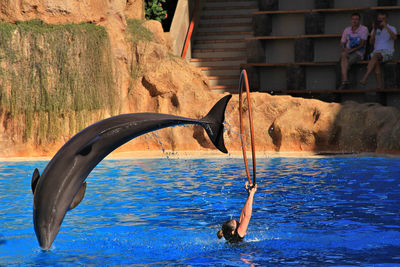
243,75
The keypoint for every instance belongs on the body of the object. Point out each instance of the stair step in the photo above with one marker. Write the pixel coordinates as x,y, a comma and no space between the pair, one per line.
225,28
220,71
219,46
216,63
229,1
216,82
230,86
243,16
221,68
244,4
224,77
207,50
230,12
220,52
224,88
224,25
227,43
222,35
233,2
230,7
217,59
220,41
221,19
201,62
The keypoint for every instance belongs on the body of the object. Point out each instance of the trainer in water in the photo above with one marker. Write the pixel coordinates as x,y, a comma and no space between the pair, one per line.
234,231
61,187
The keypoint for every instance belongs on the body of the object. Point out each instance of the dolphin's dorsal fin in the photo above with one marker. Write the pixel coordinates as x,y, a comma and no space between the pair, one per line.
88,147
78,197
35,179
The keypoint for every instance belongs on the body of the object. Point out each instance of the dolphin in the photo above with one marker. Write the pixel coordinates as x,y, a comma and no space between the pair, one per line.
62,186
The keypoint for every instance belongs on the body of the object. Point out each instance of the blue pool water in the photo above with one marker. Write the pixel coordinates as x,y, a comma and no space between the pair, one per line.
307,211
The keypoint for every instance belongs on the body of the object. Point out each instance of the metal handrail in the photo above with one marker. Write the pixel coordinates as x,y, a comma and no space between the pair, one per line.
191,28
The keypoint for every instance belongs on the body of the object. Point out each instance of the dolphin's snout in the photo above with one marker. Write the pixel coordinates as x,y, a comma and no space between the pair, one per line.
45,238
45,234
45,242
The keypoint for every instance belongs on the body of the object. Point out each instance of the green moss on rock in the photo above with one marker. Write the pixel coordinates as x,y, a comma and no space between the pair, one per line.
136,33
48,72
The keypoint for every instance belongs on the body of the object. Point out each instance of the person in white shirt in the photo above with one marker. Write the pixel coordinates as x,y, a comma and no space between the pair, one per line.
383,36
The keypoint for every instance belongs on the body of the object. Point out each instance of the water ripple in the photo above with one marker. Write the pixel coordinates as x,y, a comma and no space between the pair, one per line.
314,211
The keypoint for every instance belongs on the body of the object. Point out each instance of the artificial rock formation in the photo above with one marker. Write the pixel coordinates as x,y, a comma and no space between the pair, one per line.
149,78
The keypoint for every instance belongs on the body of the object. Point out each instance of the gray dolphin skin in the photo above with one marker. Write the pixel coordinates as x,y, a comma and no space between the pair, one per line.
61,187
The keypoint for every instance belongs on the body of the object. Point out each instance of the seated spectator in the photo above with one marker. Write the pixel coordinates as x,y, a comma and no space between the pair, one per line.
382,38
353,46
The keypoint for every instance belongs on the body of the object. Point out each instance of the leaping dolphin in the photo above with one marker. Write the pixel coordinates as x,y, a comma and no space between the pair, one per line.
61,187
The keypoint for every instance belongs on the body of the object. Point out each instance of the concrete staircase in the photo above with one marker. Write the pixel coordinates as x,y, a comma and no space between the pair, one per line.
219,41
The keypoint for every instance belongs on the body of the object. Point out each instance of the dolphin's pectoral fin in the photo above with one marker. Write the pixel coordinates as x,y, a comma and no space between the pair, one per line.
88,147
35,179
78,197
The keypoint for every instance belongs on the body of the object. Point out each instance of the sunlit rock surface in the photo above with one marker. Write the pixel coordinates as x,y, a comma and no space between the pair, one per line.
148,78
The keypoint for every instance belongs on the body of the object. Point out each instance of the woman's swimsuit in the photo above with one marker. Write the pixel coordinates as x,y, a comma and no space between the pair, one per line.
236,238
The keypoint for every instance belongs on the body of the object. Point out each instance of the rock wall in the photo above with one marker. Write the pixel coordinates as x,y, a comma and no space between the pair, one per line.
150,79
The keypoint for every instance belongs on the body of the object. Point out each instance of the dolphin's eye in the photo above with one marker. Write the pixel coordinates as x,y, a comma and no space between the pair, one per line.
85,151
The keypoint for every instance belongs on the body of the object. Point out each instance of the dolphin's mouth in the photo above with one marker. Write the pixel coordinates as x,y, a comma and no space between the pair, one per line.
45,241
45,248
45,236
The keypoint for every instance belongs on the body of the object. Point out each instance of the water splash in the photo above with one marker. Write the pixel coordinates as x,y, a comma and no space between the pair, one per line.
154,137
228,128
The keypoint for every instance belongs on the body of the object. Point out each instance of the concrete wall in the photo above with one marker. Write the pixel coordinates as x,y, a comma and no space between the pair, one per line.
275,78
295,4
180,24
279,51
288,24
354,3
326,49
318,78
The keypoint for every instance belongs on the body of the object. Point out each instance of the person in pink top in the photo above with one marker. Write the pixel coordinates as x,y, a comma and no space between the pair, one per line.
382,38
353,46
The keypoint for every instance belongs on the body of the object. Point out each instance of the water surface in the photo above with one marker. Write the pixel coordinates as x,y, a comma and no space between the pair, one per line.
307,211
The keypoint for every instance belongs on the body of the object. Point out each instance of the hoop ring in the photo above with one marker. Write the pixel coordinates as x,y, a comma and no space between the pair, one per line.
244,80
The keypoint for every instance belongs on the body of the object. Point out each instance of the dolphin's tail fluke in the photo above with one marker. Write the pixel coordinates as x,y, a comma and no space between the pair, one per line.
213,123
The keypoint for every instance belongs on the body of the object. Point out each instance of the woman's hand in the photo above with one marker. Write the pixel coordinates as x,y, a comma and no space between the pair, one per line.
250,190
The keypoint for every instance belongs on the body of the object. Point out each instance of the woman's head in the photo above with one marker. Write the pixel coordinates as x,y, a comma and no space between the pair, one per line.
228,229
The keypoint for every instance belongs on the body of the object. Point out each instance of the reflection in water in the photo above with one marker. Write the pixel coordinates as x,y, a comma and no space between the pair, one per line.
2,240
